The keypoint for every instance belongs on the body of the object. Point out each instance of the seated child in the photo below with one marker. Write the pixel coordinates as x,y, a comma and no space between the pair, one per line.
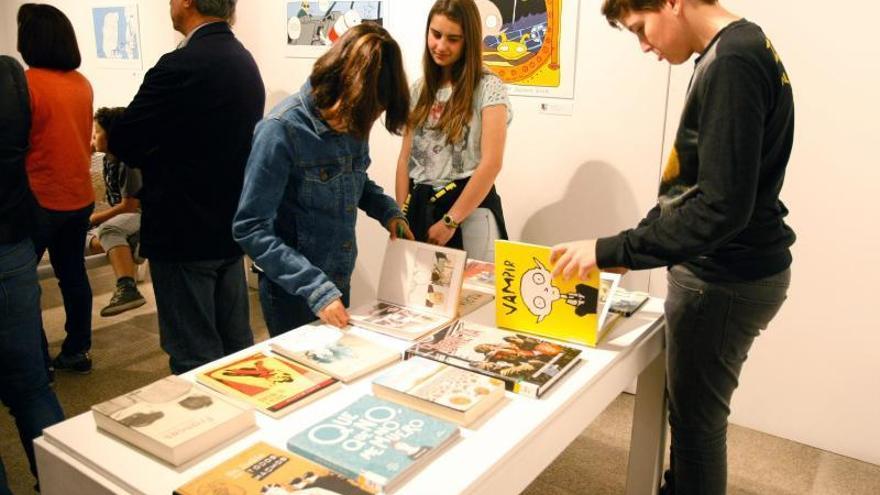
115,229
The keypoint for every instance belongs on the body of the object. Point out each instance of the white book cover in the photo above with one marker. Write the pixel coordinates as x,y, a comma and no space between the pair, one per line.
338,353
172,418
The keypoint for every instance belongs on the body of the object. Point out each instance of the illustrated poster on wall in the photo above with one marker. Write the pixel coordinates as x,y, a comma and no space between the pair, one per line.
117,35
314,25
531,44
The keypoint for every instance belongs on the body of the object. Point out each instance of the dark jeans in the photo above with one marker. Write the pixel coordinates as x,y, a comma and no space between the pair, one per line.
203,310
284,311
24,383
63,234
710,329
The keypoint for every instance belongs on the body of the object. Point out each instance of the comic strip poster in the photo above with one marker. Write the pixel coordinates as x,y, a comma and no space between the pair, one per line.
313,25
530,44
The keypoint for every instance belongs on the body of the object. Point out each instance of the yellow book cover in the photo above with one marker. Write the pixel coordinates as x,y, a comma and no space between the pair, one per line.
272,384
264,470
528,300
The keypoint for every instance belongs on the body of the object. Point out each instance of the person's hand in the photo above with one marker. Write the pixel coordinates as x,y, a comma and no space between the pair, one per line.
93,220
334,314
399,229
573,259
440,234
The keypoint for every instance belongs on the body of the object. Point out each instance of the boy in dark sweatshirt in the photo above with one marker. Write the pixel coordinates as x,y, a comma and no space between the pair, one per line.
718,224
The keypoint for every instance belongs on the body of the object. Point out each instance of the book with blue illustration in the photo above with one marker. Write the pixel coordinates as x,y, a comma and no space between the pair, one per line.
374,442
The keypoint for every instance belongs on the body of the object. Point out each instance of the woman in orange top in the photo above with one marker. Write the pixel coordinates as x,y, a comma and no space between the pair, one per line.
58,167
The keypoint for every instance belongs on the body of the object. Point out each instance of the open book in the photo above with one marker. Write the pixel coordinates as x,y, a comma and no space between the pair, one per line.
418,293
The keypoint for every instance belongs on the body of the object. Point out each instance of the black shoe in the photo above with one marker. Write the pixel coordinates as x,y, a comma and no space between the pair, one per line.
125,297
78,363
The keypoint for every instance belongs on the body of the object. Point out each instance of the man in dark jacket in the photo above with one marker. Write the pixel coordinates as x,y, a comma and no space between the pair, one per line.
24,382
189,130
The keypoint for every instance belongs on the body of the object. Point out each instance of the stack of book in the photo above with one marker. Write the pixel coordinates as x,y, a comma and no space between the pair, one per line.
527,365
273,385
338,353
440,390
376,443
172,419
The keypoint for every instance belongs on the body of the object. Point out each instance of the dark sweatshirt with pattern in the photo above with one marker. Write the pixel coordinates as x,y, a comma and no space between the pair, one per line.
719,212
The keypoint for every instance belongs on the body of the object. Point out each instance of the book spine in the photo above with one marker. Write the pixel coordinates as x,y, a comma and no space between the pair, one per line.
510,384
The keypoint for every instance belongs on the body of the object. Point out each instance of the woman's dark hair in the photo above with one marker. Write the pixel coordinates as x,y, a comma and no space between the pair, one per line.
360,77
46,38
106,117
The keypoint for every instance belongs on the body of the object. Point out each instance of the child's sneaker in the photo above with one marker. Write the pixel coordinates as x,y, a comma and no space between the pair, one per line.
125,297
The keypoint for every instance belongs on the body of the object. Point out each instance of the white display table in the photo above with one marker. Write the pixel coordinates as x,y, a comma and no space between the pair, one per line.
501,454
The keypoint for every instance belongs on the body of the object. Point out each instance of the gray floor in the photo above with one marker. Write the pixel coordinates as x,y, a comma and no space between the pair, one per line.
127,355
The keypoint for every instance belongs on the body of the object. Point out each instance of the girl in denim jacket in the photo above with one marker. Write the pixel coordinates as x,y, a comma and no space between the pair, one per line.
307,177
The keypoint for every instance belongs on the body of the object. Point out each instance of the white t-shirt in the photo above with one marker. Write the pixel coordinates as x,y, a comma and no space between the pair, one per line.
435,162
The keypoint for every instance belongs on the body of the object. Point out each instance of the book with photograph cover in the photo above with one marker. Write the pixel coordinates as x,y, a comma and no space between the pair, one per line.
376,443
626,303
338,353
526,364
262,469
418,292
528,299
173,419
443,391
273,385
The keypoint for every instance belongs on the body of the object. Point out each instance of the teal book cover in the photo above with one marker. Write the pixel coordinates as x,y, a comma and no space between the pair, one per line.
374,442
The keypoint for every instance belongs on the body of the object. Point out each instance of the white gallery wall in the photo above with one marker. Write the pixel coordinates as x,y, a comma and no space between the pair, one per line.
812,376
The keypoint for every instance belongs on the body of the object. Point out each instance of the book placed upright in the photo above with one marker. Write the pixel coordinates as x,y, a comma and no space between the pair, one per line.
376,443
173,419
435,388
418,291
262,469
272,384
528,299
338,353
527,365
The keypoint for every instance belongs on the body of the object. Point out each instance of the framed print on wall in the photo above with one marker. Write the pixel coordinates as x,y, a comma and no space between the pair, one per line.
116,29
531,44
312,25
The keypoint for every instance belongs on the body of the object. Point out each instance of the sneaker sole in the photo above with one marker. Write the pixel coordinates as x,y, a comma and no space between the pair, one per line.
115,310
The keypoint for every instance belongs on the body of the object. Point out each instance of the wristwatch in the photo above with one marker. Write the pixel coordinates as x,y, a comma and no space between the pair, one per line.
449,222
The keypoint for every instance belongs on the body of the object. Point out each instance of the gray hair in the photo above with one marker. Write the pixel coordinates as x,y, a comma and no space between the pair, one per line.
224,9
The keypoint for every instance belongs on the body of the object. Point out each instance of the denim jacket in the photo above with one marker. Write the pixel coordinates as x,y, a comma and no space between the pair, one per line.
302,187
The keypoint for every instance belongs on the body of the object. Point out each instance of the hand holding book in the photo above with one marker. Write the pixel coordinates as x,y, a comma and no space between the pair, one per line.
573,259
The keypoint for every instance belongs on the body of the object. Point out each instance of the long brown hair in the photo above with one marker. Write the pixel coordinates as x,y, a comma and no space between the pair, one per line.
466,73
360,77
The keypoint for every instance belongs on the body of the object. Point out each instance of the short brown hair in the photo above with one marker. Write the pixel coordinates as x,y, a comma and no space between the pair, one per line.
363,73
46,38
614,10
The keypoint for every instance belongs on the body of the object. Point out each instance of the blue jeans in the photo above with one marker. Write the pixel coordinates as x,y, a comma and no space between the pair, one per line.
710,328
203,310
24,383
63,234
284,311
